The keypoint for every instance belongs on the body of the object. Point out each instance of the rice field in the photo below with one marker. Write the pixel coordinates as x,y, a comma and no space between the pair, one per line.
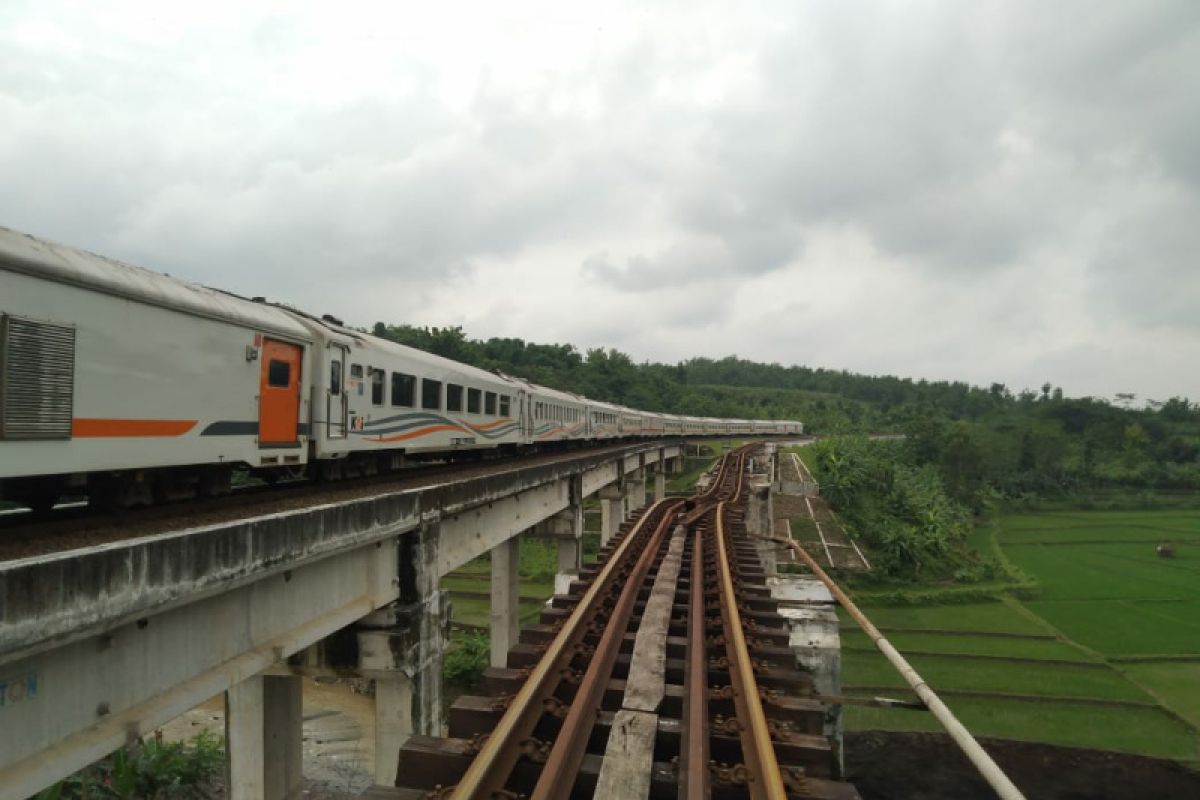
1106,656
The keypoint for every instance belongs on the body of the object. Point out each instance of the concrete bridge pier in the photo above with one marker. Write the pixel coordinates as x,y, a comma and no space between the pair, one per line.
565,529
660,482
505,622
612,510
400,647
263,735
759,519
635,494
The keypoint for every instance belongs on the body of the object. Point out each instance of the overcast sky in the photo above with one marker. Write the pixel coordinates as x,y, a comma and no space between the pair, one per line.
986,191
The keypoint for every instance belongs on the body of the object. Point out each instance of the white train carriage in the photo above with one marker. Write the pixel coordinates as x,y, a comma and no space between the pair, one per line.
672,425
139,385
370,395
655,424
120,373
603,420
631,421
557,416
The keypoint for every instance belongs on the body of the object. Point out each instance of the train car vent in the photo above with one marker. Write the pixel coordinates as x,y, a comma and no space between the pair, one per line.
37,379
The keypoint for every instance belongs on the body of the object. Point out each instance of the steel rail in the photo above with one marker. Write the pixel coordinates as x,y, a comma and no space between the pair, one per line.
492,766
983,762
570,745
766,782
694,779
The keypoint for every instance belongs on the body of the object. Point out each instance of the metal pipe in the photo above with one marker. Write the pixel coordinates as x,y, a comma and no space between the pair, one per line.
988,768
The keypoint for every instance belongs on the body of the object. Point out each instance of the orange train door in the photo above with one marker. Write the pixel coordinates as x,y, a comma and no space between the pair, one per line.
279,393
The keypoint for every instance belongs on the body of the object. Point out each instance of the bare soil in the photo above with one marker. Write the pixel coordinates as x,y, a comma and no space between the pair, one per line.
928,766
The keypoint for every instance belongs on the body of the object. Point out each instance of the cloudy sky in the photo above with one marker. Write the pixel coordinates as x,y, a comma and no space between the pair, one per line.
990,191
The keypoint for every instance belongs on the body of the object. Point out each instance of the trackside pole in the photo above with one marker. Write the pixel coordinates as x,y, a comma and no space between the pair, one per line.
988,768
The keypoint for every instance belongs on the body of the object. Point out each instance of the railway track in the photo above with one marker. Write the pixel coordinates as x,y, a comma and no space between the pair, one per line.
665,673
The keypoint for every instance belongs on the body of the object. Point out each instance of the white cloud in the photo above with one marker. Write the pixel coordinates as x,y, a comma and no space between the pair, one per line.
994,191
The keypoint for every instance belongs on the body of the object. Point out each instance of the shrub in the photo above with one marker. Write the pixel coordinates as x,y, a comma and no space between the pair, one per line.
467,658
152,770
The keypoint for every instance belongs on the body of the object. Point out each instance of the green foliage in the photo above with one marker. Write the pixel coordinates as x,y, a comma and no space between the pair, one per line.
151,770
901,510
466,658
1146,730
538,558
991,447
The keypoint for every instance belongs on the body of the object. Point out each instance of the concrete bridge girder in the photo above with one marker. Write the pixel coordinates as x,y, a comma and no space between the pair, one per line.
118,685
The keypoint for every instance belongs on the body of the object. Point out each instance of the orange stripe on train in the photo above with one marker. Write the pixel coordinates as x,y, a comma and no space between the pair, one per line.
83,428
488,425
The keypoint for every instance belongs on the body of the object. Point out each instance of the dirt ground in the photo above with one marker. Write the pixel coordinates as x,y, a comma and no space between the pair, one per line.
928,766
339,738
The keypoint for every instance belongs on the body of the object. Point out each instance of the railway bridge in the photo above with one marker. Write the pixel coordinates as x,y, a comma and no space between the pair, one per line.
682,663
104,643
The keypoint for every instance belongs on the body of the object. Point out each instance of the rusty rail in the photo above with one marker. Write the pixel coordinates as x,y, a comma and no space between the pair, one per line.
492,766
566,680
562,765
766,782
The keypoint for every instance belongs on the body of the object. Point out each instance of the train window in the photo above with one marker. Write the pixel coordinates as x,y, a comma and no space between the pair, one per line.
376,386
279,373
431,394
404,390
473,401
453,397
505,405
335,377
489,403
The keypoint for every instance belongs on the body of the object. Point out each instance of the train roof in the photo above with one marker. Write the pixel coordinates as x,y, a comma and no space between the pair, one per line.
20,252
369,341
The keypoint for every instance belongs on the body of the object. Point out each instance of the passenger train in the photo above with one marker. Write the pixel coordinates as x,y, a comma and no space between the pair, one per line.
133,387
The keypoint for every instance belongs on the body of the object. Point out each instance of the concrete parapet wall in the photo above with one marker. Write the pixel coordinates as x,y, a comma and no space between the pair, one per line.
813,624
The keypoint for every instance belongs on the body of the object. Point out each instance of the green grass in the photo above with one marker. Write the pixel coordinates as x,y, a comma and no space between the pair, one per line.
1148,731
804,530
1098,582
966,644
1108,571
987,617
1177,685
1127,628
477,611
1150,526
528,587
537,565
982,675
